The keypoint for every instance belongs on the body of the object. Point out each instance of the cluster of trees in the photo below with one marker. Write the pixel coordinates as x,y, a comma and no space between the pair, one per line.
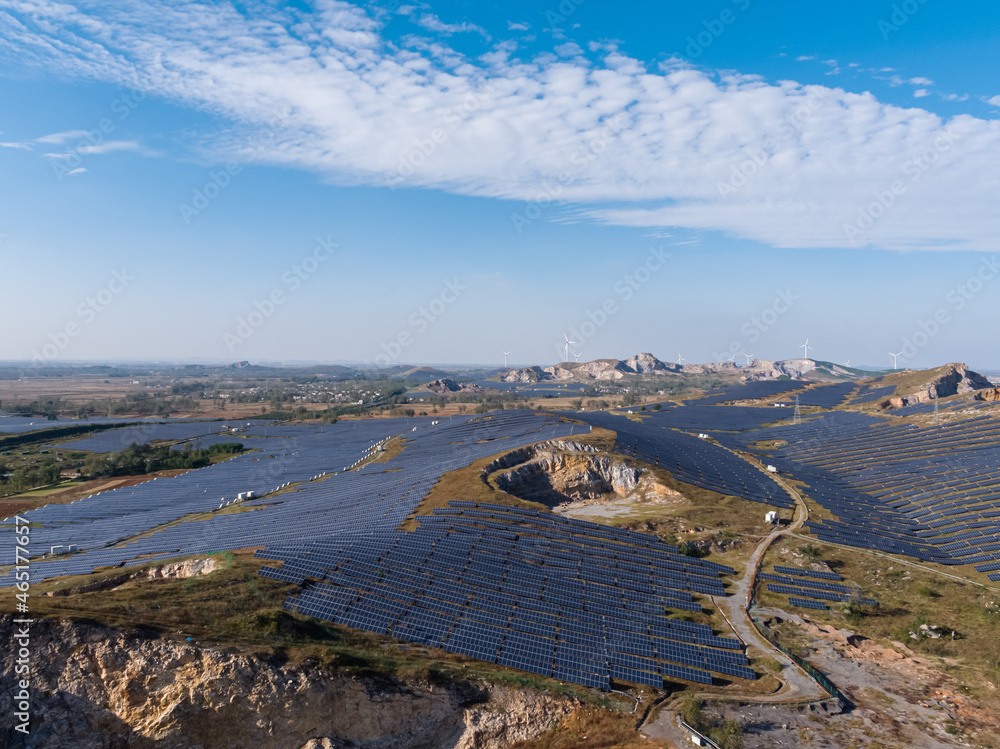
23,478
132,461
136,460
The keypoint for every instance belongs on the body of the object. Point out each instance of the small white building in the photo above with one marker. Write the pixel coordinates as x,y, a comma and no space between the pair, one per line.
772,469
771,518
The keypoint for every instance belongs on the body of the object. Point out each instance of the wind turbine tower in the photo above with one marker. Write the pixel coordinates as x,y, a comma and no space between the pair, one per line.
505,359
568,344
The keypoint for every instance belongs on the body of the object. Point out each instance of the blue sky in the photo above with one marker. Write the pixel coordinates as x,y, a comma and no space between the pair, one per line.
439,182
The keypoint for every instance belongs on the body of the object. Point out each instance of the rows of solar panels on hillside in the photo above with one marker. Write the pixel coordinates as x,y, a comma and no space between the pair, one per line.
689,458
750,391
712,418
115,440
927,491
23,424
137,524
532,590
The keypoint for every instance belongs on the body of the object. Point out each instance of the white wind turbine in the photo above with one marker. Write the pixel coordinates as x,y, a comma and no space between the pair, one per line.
846,363
576,357
805,349
749,357
568,344
505,359
680,359
732,358
895,359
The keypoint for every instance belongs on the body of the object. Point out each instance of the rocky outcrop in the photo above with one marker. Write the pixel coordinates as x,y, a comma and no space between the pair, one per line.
952,379
599,369
524,374
560,472
96,688
443,386
646,364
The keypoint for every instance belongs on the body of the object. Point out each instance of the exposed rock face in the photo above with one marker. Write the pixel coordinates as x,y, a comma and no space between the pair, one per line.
96,688
599,369
525,374
646,364
559,472
444,385
763,369
992,395
955,379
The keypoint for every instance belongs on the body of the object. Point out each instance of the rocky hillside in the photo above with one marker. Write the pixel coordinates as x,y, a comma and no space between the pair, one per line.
647,364
98,688
951,379
560,471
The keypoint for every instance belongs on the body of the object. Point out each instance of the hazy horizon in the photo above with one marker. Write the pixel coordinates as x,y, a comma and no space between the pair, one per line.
442,182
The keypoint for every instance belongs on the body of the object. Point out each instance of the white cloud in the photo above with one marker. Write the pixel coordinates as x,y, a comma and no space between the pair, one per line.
76,172
803,58
431,22
920,93
110,146
921,81
613,140
518,26
56,139
22,146
994,100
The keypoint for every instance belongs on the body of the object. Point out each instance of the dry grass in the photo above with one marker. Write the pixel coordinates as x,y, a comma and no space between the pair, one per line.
909,596
590,728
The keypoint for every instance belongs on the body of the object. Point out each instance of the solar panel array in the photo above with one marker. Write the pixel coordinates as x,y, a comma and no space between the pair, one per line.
372,495
532,590
927,491
690,459
23,424
826,396
115,440
751,391
870,392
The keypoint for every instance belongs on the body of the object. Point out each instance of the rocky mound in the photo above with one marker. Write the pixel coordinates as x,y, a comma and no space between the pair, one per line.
599,369
98,688
524,374
952,379
646,364
560,472
443,386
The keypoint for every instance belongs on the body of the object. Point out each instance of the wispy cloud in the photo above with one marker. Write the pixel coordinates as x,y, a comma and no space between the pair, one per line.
56,139
431,22
518,26
353,104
